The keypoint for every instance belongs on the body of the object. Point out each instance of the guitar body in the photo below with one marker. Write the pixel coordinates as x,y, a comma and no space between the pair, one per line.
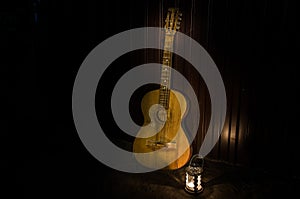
170,141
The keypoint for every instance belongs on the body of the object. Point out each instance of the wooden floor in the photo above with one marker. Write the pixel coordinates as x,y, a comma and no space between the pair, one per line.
69,178
220,181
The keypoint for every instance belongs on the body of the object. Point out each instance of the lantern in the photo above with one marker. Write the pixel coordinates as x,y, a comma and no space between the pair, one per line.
193,174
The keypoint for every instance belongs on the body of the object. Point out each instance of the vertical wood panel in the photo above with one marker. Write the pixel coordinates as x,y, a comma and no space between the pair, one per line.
250,41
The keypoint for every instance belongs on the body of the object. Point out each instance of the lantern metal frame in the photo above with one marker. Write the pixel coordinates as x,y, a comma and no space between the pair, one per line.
194,171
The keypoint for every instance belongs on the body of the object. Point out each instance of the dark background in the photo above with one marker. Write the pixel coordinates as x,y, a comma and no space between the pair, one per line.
43,43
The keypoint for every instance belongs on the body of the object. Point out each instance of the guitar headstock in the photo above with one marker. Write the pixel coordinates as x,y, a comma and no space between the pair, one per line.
173,20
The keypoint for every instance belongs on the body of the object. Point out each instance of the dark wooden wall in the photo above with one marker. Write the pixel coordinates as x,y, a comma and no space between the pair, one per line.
254,44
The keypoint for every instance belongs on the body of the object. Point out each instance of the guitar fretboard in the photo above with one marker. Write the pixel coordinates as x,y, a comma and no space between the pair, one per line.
164,92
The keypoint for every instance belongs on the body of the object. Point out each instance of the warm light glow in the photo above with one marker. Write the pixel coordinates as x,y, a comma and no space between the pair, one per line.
190,183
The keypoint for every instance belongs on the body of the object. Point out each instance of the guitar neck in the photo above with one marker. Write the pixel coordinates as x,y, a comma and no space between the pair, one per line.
164,92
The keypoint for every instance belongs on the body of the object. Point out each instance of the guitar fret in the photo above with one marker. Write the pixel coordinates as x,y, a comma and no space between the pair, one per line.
165,74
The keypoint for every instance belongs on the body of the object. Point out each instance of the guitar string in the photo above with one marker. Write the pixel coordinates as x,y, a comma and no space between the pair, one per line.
161,25
166,87
167,94
162,91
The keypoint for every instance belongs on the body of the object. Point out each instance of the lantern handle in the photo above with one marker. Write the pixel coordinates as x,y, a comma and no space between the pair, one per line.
197,156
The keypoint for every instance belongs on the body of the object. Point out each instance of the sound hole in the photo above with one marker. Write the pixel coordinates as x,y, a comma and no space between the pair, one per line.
161,115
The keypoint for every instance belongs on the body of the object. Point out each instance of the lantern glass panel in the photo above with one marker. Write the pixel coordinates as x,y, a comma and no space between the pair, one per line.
193,175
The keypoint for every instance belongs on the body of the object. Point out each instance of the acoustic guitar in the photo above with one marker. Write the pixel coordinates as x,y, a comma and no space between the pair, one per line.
163,110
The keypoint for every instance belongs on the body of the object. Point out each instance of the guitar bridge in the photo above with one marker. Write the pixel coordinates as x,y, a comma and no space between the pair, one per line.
154,144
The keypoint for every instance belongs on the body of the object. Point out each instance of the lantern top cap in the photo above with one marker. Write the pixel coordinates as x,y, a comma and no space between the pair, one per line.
196,161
